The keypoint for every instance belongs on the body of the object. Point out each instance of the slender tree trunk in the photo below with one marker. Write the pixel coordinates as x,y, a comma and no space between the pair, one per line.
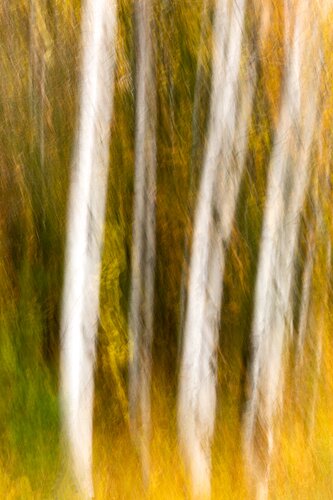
315,302
288,178
86,215
143,248
197,390
194,158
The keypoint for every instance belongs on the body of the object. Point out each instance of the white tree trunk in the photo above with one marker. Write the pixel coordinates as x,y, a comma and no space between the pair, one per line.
288,178
197,385
86,214
194,153
143,246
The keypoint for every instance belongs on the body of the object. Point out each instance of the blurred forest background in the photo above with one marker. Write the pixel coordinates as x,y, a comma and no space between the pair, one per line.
39,67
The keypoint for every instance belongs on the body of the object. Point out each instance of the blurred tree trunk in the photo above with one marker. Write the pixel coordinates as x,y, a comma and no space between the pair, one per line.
141,312
288,179
86,213
198,371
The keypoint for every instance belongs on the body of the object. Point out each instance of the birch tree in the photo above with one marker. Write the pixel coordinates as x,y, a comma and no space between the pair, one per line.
204,26
86,213
143,246
288,178
197,384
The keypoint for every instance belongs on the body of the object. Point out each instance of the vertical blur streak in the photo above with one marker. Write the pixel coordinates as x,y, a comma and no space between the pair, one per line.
312,326
317,226
288,178
86,214
143,247
37,76
204,27
197,385
305,297
32,58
